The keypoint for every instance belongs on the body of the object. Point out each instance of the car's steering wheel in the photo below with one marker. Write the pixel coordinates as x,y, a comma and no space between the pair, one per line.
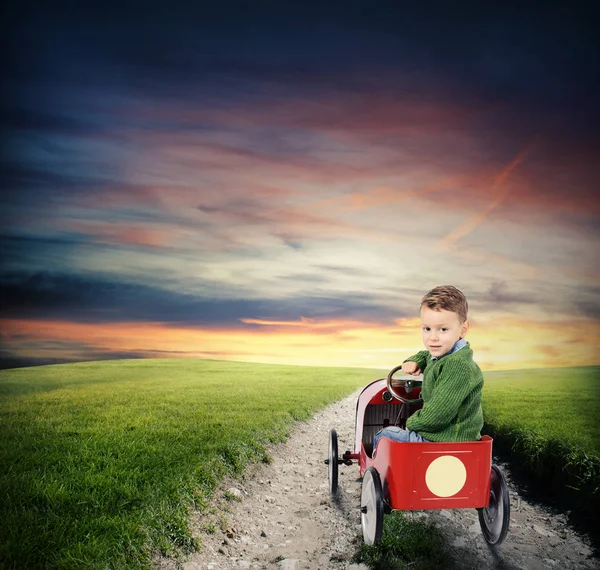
407,382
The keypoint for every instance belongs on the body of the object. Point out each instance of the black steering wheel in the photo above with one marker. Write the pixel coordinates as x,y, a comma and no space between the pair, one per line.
408,382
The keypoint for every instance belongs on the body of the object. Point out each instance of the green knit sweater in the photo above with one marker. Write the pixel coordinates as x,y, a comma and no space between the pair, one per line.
451,395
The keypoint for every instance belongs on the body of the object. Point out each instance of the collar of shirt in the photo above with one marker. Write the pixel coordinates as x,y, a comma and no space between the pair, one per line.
460,343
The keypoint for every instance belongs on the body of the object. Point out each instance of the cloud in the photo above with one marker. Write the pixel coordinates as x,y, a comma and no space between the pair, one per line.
314,326
20,176
232,172
499,294
77,299
587,302
43,121
124,233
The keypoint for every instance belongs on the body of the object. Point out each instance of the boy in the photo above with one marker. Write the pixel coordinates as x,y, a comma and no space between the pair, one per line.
452,382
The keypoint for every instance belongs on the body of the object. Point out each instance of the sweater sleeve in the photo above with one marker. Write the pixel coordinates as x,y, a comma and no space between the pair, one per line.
420,358
442,407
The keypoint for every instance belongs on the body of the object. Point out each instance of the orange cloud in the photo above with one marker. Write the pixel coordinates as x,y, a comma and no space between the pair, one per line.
378,196
123,233
314,325
498,343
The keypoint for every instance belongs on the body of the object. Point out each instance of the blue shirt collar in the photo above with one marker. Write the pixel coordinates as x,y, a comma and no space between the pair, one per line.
460,343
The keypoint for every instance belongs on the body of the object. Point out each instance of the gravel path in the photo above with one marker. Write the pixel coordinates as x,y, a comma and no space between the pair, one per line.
281,517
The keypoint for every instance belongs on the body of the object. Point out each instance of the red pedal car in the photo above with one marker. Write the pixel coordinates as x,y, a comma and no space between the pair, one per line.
417,476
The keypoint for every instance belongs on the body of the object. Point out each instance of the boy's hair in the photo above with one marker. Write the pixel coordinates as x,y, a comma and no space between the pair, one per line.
448,298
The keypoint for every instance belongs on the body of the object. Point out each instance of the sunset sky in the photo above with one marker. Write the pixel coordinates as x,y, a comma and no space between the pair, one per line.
283,181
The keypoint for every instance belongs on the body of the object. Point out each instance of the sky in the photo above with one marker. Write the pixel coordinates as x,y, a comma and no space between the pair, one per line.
282,182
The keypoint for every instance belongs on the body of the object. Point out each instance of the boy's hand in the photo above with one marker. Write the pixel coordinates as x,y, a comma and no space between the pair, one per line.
411,368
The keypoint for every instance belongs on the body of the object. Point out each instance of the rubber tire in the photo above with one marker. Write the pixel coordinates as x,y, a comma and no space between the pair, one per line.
333,462
494,518
371,507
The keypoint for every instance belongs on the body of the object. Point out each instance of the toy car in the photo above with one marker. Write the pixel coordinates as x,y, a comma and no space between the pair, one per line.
417,476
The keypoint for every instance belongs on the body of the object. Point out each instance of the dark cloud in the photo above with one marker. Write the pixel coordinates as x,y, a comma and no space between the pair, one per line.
38,187
498,51
210,209
19,176
520,72
77,299
42,121
500,296
587,302
18,251
293,242
48,296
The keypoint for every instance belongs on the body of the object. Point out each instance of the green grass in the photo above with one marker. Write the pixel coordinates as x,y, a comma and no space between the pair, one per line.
101,462
406,544
551,403
549,419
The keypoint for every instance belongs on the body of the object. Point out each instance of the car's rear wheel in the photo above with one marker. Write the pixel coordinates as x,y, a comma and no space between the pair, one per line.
494,518
371,507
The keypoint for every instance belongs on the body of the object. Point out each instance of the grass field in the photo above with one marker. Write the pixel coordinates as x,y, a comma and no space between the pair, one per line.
551,403
550,419
100,462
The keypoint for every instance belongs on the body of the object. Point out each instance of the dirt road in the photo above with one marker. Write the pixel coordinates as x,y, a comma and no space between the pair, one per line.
282,517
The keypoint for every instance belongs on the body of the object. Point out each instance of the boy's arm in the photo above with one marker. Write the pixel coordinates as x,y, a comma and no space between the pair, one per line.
420,358
442,407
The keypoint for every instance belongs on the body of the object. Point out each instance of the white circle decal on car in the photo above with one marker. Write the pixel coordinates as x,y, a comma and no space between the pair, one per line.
446,476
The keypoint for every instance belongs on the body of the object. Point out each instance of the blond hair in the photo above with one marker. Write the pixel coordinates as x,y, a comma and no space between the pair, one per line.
447,298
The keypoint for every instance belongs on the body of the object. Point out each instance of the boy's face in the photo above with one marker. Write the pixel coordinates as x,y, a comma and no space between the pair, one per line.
441,329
